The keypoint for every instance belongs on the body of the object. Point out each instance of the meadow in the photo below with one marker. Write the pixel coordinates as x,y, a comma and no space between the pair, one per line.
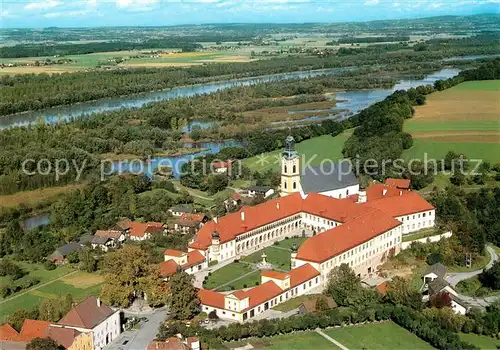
315,149
464,119
481,341
31,198
295,341
53,284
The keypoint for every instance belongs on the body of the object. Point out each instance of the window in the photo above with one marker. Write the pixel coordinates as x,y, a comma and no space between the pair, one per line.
284,185
294,185
285,170
294,169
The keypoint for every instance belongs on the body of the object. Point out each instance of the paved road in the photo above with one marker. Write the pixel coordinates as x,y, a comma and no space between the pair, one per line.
454,278
140,338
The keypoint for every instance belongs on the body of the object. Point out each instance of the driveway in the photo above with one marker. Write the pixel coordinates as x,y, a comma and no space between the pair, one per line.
139,339
454,278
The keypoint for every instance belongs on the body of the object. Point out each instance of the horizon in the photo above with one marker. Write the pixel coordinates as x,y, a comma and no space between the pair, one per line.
24,14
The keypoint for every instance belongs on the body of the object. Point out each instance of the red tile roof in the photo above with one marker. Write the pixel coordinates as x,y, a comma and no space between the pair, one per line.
232,225
333,242
193,217
138,229
34,328
113,234
173,252
87,314
382,288
262,293
168,268
380,191
211,298
171,343
407,203
302,274
398,183
62,336
8,333
221,164
275,274
235,196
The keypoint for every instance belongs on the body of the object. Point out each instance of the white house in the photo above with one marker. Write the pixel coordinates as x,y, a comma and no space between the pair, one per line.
105,239
263,191
93,316
176,260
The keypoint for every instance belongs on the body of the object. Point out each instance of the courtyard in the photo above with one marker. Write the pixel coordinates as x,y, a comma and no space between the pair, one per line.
245,272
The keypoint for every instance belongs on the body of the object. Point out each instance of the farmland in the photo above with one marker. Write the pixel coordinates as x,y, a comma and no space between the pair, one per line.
53,284
463,119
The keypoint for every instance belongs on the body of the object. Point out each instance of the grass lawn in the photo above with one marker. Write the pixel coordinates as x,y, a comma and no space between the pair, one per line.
426,232
316,149
227,274
294,303
280,258
385,335
79,285
294,341
287,243
481,341
463,119
37,271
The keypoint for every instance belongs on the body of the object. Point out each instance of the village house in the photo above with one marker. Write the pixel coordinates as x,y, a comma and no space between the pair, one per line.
176,343
70,339
93,316
180,209
140,231
188,223
106,239
402,184
263,191
221,167
176,260
60,254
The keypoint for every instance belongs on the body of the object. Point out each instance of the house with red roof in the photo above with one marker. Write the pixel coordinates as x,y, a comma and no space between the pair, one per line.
221,167
176,260
275,288
140,231
187,223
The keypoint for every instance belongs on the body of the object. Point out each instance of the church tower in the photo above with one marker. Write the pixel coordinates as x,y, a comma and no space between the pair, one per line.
290,168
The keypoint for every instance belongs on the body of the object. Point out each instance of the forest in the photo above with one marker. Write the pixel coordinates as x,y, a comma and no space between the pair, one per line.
371,39
33,92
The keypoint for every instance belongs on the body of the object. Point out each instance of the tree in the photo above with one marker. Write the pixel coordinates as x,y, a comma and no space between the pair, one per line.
491,278
322,304
129,273
183,299
400,292
18,317
43,344
87,261
66,304
73,257
343,285
49,310
440,300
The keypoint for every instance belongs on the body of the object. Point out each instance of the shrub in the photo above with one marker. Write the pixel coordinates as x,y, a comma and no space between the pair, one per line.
4,291
8,268
49,265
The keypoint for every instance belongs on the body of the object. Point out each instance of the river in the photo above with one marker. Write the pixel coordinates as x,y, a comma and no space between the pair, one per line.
52,115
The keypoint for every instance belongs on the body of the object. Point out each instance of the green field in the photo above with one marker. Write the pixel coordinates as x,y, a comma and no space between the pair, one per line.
464,119
318,148
482,341
295,341
294,303
78,284
227,274
385,335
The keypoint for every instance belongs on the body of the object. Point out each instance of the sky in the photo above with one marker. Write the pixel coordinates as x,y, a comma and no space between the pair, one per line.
92,13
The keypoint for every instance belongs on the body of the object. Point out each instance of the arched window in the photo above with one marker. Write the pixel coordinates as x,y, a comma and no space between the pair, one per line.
294,185
284,185
294,168
285,169
347,193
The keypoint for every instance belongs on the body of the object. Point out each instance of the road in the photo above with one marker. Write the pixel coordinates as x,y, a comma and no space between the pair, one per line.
140,338
454,278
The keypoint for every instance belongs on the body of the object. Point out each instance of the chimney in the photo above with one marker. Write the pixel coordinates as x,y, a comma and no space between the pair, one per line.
98,302
384,191
362,196
242,215
215,220
278,205
400,193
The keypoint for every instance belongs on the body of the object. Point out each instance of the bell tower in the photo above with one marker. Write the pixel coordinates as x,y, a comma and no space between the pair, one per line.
290,168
